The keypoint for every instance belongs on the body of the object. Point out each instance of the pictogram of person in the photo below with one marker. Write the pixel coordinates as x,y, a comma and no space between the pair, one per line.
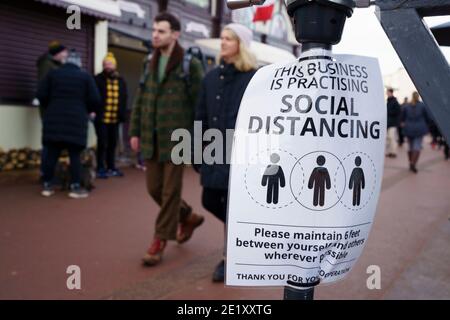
273,178
357,182
319,180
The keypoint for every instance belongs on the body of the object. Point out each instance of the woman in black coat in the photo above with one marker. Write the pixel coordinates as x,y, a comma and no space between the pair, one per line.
220,98
67,95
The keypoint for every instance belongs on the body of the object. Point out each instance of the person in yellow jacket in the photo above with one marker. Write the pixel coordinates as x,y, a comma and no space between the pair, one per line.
113,91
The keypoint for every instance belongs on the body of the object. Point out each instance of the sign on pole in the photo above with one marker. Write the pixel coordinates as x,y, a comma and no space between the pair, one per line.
306,170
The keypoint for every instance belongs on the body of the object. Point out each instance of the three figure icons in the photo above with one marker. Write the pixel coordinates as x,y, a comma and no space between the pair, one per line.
319,181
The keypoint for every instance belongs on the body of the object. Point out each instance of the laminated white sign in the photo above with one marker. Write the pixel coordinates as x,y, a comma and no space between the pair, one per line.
306,170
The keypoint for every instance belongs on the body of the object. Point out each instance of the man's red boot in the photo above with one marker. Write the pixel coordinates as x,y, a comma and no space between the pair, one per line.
187,227
154,253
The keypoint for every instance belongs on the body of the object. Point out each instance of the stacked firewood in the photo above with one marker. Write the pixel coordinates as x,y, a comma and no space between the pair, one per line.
17,159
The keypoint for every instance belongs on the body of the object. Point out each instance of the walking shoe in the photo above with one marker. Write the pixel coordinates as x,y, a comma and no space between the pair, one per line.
187,227
219,272
391,155
140,167
76,192
114,173
47,190
101,174
154,253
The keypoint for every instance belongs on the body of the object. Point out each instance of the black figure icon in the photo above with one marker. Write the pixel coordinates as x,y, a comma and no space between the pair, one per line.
357,182
273,178
319,180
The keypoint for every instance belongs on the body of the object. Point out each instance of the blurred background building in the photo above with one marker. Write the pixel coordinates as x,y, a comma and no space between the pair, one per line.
401,83
123,27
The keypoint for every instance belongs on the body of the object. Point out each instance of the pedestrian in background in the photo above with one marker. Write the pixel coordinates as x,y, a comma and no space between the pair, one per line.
54,58
165,103
401,137
415,120
436,136
67,96
113,92
393,122
446,150
221,94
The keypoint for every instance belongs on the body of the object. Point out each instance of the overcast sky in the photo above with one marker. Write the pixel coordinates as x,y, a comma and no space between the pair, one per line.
363,35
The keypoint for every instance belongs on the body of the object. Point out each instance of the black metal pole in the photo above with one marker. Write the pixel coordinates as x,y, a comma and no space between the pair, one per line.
314,45
331,17
300,291
291,293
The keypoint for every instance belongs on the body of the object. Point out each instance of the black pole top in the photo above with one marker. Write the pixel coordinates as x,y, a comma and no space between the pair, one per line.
319,23
345,5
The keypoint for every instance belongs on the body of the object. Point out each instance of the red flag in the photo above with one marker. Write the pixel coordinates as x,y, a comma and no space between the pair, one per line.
264,12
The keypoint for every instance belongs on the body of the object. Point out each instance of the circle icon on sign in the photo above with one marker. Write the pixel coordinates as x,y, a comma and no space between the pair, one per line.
318,180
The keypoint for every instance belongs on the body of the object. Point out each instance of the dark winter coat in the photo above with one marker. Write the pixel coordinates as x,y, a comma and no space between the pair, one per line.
45,64
394,112
415,119
220,98
67,96
100,79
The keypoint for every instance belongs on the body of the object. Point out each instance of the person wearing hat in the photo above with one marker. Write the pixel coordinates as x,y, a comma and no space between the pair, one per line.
67,95
220,98
113,91
51,60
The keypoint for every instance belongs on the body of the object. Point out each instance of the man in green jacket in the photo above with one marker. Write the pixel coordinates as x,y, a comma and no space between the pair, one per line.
165,102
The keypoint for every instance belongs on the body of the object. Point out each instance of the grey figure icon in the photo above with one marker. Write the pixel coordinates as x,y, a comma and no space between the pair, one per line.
319,180
273,178
357,182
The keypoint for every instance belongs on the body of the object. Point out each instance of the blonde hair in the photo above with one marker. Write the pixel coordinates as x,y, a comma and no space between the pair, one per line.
245,60
415,98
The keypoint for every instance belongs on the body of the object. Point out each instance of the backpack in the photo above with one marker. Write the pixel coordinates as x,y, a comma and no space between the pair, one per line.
189,54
